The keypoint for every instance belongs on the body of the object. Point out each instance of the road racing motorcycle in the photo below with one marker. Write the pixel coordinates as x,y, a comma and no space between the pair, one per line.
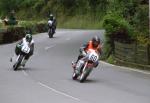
88,64
25,49
50,29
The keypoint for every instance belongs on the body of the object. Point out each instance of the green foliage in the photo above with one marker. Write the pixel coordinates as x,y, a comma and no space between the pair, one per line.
6,7
80,22
117,28
141,20
38,5
1,24
14,33
111,59
121,17
34,26
143,40
26,3
107,50
66,7
27,24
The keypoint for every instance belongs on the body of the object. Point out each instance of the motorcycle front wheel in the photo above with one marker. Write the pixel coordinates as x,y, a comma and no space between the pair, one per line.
50,33
84,75
17,64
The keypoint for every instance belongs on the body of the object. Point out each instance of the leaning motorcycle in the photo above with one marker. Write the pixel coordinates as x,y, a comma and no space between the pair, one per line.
89,62
20,58
50,29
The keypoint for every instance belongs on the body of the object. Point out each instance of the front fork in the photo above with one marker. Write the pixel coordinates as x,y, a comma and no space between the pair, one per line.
18,59
79,67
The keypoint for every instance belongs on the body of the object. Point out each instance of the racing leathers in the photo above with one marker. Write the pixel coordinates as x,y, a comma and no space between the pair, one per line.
54,23
83,52
20,45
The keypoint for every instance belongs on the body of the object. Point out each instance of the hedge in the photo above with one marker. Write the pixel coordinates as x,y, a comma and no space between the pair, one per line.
14,33
117,28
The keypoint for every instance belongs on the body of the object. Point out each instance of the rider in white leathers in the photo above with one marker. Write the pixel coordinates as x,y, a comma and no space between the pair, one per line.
27,40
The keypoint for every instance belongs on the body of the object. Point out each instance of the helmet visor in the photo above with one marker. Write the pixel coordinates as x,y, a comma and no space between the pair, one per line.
95,44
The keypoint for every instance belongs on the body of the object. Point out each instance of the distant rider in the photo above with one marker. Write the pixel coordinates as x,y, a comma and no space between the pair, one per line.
30,42
53,19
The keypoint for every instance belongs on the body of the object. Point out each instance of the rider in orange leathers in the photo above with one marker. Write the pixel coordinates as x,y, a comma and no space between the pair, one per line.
92,44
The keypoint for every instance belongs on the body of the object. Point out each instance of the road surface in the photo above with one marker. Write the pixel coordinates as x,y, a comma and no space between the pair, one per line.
47,77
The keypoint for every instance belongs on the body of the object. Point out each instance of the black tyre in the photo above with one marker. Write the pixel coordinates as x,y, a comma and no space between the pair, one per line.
82,78
17,64
50,33
84,75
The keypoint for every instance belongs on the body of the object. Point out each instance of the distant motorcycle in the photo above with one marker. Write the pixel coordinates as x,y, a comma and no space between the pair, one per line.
50,29
20,58
89,62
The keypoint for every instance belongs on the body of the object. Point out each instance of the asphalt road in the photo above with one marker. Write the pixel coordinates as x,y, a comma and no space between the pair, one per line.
47,77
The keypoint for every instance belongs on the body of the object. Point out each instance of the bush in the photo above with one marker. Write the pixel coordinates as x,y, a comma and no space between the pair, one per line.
117,28
13,33
141,20
41,27
111,59
143,40
34,26
28,25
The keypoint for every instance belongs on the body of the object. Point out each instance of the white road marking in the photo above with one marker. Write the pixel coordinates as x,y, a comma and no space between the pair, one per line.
127,68
68,38
54,90
58,92
48,47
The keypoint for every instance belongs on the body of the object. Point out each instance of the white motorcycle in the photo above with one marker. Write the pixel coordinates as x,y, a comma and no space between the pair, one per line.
20,58
50,29
88,64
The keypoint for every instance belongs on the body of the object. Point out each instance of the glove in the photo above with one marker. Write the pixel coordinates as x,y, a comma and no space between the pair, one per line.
18,46
84,53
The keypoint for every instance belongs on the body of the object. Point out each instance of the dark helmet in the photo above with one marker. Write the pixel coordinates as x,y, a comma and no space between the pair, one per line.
28,37
95,41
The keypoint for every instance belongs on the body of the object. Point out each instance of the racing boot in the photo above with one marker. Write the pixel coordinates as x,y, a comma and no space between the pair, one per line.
73,65
79,66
